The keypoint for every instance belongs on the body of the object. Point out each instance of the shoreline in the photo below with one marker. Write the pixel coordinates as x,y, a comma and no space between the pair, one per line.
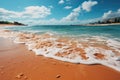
5,25
115,24
34,67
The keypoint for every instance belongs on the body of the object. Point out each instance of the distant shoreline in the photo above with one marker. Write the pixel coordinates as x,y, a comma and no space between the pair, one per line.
4,25
102,24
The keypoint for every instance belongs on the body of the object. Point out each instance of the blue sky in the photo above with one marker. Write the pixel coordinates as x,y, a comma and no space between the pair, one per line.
58,11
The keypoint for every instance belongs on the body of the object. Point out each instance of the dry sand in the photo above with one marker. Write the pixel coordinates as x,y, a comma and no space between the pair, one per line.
17,63
2,25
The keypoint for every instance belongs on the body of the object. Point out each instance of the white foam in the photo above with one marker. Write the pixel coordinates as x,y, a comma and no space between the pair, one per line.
31,45
114,44
17,40
110,59
117,58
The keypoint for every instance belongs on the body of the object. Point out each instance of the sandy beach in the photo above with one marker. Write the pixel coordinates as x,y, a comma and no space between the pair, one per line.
60,40
5,25
17,63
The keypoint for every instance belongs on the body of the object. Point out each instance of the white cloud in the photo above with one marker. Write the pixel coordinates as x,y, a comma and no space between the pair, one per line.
61,2
118,10
68,7
87,5
111,14
37,14
29,12
37,11
7,14
73,15
105,15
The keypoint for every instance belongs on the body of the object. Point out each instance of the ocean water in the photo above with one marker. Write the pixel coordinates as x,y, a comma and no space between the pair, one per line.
75,44
66,30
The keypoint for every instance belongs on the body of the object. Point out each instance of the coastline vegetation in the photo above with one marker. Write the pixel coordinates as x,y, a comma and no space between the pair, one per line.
11,23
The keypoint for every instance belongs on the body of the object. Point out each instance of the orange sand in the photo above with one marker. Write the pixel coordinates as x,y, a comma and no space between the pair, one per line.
17,63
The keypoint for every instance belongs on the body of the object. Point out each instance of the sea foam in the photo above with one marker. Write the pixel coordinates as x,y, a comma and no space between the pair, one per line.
85,50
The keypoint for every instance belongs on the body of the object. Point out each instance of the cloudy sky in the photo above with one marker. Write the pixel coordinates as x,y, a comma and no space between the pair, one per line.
58,11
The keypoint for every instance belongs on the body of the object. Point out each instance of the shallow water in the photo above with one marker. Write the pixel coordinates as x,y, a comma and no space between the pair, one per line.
109,31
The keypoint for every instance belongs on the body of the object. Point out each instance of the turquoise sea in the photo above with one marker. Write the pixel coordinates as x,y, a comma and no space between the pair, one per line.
66,30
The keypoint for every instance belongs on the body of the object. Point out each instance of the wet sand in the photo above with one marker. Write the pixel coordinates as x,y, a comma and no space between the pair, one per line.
17,63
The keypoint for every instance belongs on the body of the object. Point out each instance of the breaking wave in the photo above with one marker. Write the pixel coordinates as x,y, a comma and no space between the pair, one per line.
84,49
